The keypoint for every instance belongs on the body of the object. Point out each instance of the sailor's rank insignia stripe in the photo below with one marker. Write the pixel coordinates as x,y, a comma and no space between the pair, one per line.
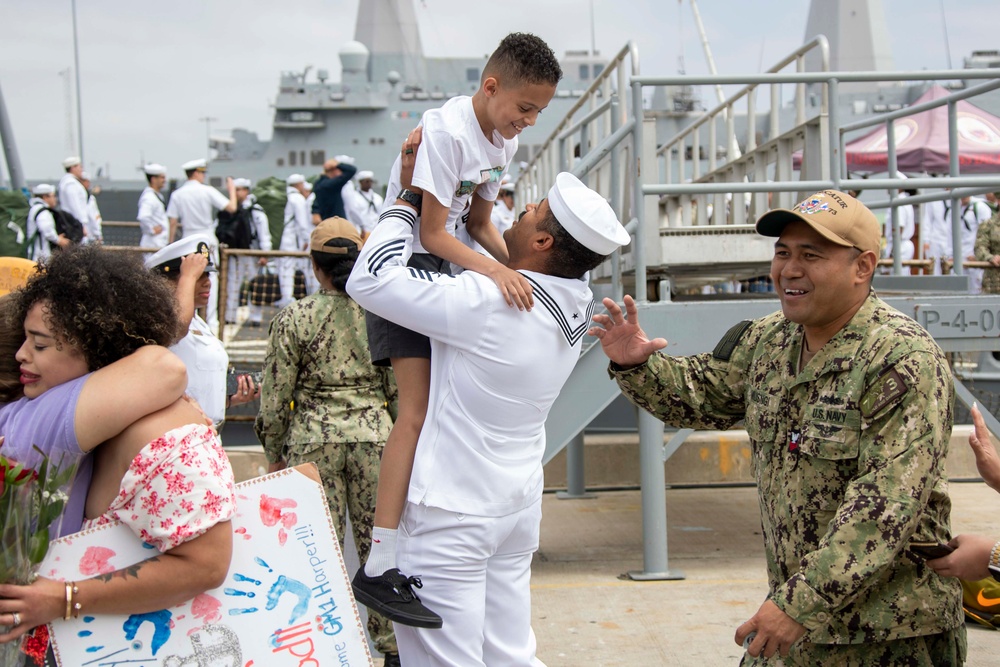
403,213
887,388
421,274
385,253
572,334
724,350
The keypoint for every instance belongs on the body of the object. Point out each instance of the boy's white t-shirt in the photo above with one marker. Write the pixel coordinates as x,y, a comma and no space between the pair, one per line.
454,160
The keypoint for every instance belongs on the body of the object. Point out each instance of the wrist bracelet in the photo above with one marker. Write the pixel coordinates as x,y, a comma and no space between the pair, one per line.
72,608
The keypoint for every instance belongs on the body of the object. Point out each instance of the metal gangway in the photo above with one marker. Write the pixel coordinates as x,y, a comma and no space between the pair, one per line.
663,191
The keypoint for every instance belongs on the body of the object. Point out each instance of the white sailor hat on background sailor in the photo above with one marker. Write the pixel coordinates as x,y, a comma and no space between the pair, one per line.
307,185
71,162
241,183
295,179
84,175
43,189
507,187
366,175
586,215
168,260
200,165
154,169
346,159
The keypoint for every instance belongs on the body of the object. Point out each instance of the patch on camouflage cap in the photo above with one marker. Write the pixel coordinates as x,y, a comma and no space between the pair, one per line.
889,386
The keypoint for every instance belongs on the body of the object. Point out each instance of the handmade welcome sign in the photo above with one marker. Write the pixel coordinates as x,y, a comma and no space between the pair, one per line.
286,601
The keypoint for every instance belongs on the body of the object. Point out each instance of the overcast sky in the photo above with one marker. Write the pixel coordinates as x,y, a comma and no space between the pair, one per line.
149,71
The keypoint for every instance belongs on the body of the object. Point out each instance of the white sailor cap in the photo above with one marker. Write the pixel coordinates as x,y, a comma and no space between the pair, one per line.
43,189
307,185
346,159
366,175
71,162
191,165
295,179
586,215
167,260
153,169
241,183
84,175
506,187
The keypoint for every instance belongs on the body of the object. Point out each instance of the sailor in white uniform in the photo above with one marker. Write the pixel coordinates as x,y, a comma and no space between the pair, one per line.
41,227
193,207
244,268
366,204
93,222
72,195
294,236
203,354
152,214
473,509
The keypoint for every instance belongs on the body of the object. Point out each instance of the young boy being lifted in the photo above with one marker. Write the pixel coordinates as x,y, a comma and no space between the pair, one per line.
465,149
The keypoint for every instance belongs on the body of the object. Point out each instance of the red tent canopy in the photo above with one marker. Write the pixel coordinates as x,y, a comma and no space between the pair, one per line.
922,141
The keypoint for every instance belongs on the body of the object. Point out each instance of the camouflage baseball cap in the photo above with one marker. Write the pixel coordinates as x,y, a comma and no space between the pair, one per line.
836,216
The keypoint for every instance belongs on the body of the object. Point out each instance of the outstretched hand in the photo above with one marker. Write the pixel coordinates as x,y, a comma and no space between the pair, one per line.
987,460
622,339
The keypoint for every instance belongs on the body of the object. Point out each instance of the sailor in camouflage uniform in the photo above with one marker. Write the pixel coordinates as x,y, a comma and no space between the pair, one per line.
848,405
988,250
323,401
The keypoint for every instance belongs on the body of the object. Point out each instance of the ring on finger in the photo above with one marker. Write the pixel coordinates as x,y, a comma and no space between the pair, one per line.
17,619
408,151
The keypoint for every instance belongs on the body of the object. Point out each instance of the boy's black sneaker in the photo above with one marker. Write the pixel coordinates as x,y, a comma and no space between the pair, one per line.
391,594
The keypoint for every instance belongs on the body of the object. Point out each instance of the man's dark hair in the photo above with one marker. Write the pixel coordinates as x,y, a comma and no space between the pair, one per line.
103,302
337,266
150,177
522,58
189,172
569,258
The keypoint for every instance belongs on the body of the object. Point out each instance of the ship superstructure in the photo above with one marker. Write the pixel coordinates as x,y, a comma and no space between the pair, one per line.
386,84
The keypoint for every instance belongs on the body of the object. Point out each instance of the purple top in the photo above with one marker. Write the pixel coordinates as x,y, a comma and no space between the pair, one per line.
49,422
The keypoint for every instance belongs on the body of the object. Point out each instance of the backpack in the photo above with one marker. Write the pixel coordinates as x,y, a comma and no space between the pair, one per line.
66,225
272,196
236,230
13,224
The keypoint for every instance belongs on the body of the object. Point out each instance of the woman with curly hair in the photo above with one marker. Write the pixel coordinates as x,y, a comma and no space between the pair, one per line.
83,311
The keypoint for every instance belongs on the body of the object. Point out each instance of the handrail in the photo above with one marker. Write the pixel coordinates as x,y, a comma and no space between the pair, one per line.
815,77
923,106
629,49
819,42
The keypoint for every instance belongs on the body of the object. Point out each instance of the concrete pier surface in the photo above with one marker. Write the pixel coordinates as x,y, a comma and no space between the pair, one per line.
584,613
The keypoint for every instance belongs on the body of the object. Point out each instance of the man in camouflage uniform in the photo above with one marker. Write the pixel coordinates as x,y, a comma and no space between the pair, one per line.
988,250
322,400
848,405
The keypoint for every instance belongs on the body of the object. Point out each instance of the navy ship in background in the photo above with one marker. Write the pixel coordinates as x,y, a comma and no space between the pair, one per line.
386,84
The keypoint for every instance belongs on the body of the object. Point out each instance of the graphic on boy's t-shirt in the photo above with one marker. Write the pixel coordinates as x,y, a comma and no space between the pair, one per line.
465,188
491,175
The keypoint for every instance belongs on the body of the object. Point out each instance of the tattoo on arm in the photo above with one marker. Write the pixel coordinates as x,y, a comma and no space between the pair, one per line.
126,572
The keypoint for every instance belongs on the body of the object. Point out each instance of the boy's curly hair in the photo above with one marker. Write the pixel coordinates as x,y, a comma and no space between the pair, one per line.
522,58
103,302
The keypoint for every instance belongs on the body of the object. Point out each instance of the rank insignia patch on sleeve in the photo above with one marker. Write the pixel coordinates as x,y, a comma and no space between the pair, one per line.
887,388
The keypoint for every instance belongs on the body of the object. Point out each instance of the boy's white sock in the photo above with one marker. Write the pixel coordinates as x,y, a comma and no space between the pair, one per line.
382,556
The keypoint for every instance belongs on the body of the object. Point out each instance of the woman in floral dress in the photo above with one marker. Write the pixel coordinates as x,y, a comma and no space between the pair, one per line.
165,476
